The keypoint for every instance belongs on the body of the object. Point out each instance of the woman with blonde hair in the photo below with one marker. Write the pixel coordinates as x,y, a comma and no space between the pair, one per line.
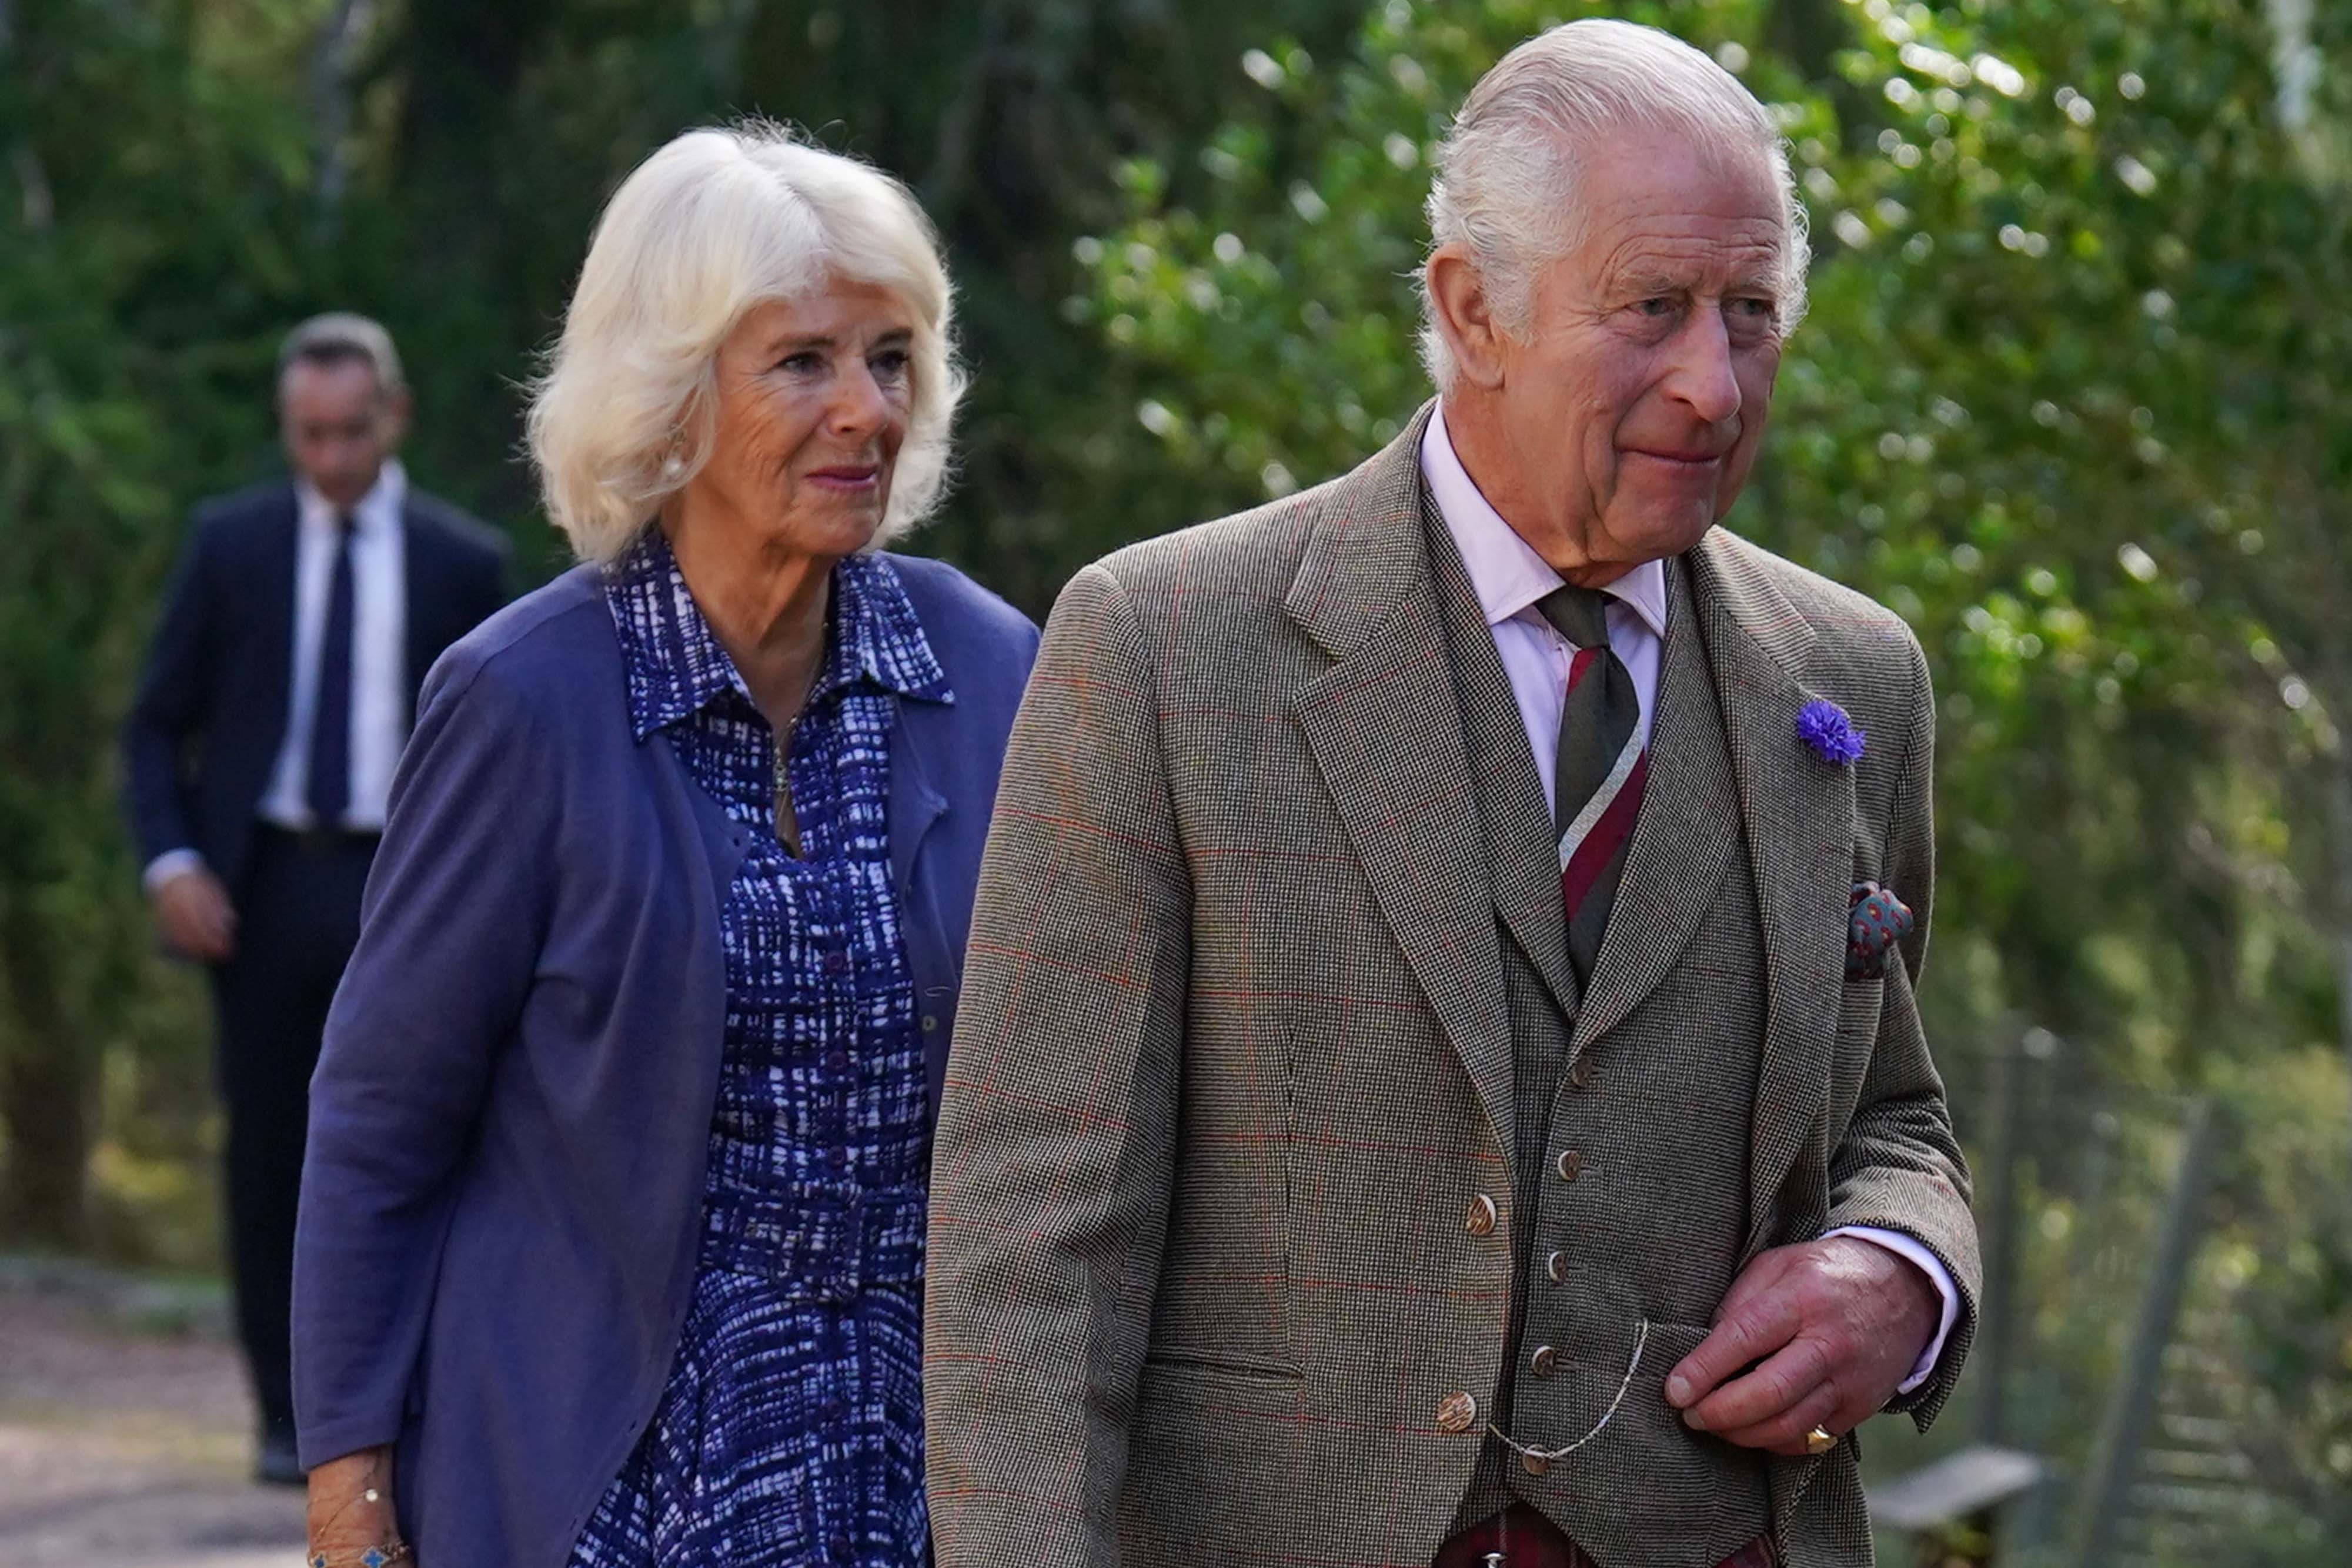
611,1225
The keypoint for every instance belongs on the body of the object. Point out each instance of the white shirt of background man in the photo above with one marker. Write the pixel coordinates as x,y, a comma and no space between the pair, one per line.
379,661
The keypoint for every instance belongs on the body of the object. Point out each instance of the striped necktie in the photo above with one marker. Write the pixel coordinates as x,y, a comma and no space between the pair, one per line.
1597,788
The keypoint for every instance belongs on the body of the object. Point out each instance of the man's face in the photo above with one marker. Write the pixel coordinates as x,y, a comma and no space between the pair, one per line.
1630,416
339,426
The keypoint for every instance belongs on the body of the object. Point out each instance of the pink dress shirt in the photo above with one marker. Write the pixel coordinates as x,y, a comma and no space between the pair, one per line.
1510,578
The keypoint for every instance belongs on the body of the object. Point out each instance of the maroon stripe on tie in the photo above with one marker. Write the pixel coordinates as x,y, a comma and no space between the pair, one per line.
1608,836
1583,660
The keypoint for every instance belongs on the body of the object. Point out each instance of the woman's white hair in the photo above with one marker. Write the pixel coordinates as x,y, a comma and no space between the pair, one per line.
1506,187
713,223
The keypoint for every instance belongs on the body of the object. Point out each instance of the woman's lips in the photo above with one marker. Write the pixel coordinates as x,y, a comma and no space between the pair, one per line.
847,476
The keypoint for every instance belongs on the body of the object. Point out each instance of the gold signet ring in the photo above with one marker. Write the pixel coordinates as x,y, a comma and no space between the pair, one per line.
1819,1441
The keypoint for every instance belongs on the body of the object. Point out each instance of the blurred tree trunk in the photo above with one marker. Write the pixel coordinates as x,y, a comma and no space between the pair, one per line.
44,1104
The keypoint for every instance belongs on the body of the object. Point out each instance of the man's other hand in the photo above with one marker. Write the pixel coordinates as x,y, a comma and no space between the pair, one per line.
1818,1334
192,911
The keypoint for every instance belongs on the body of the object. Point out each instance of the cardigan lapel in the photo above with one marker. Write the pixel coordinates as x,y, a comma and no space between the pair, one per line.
1385,729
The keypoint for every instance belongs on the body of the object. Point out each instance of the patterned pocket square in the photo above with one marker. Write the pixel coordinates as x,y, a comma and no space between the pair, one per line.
1876,920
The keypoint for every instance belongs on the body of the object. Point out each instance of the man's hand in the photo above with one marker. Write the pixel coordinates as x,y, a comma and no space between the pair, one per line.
192,911
1819,1334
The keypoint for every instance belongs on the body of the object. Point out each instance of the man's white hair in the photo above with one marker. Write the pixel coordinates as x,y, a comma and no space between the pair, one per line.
1506,187
713,223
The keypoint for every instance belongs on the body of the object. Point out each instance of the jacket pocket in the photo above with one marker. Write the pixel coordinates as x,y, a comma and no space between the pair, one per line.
1185,1362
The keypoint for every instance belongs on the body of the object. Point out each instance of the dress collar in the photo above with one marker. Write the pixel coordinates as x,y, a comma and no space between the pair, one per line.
677,666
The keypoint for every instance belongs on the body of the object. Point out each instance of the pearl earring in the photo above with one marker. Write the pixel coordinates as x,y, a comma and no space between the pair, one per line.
673,465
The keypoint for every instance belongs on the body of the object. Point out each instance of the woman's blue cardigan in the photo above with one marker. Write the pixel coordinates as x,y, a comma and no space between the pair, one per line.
499,1201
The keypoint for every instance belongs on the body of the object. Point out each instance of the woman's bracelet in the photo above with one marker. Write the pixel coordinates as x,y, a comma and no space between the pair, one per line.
381,1556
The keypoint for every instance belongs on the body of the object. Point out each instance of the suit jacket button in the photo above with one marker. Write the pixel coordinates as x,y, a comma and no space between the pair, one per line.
1580,1075
1480,1222
1544,1361
1556,1268
1456,1413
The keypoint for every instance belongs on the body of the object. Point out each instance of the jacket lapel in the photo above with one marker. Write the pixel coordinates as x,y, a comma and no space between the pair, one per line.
280,585
1683,839
1798,811
1522,854
1385,729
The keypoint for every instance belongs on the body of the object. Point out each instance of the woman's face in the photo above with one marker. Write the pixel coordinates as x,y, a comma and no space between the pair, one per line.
814,398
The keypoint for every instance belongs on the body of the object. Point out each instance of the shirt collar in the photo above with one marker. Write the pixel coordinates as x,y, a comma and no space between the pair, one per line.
1506,573
677,666
377,511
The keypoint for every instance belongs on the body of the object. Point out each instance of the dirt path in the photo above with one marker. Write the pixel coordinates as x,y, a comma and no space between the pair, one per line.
125,1430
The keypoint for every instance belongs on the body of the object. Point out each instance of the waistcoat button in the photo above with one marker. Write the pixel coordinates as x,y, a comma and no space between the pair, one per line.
1571,1165
1480,1222
1455,1412
1544,1361
1534,1464
1556,1267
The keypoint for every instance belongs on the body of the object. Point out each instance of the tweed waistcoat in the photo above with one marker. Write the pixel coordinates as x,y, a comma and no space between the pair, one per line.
1612,1238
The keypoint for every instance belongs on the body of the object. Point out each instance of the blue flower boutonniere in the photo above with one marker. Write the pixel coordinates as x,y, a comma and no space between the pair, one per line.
1825,726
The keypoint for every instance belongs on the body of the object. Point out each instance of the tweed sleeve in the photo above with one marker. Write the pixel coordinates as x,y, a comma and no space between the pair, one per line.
1052,1171
1900,1166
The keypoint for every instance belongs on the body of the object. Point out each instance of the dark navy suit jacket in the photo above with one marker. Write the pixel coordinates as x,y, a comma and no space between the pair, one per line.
509,1123
204,732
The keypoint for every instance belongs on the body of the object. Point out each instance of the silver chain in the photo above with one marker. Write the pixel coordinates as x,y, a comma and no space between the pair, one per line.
1641,1343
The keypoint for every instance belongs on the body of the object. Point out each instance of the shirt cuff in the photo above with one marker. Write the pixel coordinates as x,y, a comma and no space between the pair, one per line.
1905,1247
167,865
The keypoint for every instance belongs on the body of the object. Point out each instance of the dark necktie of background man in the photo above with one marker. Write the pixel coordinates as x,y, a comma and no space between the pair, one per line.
330,783
1596,789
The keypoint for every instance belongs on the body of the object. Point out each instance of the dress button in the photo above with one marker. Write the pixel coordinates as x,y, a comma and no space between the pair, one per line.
1571,1164
1543,1361
1456,1413
832,1410
837,1157
835,962
1580,1075
837,1062
1480,1220
1556,1268
840,1547
930,1022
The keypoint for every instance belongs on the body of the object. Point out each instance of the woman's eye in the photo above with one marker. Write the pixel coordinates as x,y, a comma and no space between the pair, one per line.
808,361
890,363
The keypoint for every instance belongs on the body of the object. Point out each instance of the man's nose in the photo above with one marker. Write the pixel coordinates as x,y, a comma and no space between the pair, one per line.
1702,377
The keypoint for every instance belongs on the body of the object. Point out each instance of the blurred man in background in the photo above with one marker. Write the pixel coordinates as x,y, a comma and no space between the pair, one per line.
258,753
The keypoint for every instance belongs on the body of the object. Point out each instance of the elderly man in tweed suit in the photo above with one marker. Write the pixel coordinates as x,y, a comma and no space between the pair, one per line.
1438,1078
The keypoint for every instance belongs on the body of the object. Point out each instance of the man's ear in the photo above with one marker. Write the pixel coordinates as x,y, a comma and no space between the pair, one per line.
396,407
1458,302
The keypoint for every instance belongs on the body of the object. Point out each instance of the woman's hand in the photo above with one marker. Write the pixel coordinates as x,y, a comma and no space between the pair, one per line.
351,1506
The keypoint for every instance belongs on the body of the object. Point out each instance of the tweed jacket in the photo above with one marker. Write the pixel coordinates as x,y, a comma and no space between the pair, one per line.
1234,1075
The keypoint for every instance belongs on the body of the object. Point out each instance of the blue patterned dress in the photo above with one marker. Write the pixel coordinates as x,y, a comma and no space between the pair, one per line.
791,1429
